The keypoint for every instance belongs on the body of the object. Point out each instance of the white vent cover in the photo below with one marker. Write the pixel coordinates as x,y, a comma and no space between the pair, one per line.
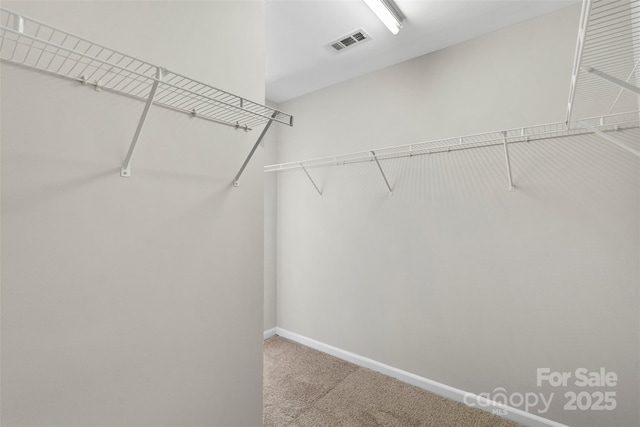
354,39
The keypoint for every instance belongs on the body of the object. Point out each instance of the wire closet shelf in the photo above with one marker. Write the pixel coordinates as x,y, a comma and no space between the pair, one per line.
33,44
603,124
607,59
603,89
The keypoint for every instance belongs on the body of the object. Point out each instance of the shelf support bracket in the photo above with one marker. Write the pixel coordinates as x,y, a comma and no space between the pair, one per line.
621,89
382,172
506,156
613,80
610,138
311,179
125,171
236,182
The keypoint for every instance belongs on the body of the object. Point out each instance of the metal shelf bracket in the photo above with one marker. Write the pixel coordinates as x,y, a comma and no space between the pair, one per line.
506,156
382,172
609,138
311,179
125,171
611,79
633,71
236,179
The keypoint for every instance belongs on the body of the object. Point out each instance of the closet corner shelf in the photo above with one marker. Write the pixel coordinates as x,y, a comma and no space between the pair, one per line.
605,79
35,45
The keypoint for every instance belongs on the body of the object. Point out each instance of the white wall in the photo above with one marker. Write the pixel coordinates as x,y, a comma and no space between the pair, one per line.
454,278
133,301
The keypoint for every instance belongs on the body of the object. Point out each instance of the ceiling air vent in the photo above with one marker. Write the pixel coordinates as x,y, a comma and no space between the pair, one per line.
355,38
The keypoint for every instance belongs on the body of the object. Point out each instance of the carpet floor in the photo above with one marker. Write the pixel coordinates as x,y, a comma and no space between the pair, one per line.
304,387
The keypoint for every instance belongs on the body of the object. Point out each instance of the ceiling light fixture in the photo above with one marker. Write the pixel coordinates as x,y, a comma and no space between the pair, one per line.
386,13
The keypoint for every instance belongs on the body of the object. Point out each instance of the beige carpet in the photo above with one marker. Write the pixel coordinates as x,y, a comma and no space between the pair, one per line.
304,387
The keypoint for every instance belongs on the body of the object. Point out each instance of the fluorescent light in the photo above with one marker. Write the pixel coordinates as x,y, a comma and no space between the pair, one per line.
384,13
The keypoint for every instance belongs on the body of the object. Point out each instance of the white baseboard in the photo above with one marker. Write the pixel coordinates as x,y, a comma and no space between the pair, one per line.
269,333
444,390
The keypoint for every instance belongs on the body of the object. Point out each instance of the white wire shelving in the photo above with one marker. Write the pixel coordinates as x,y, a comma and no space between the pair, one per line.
604,88
604,126
35,45
606,67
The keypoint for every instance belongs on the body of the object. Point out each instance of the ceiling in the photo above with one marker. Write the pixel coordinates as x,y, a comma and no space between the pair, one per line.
298,32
